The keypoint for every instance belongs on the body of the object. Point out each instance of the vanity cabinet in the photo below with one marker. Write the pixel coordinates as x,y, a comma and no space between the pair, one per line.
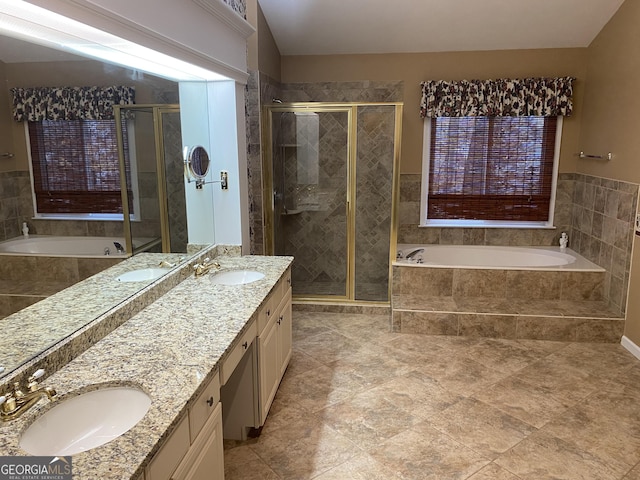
194,450
274,346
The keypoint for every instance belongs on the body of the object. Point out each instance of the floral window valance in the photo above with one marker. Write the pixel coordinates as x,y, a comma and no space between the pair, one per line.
545,97
69,103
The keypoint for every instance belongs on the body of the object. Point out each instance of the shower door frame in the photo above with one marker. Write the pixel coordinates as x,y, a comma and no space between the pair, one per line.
157,110
352,151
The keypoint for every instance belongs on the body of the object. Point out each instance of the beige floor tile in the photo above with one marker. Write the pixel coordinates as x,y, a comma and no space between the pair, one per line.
601,360
423,453
242,463
417,394
567,384
368,419
603,435
322,386
359,402
504,355
542,456
460,374
634,474
305,450
373,367
481,427
328,346
493,472
362,467
532,404
301,362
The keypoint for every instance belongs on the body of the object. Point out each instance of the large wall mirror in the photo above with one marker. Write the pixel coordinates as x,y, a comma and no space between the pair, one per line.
27,65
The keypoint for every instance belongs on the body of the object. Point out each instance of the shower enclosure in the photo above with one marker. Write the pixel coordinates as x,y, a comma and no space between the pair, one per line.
149,140
331,175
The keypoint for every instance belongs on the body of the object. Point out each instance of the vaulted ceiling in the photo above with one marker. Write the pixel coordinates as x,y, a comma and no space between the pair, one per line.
317,27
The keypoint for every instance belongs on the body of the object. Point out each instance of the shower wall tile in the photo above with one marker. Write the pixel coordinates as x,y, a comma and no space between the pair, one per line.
15,203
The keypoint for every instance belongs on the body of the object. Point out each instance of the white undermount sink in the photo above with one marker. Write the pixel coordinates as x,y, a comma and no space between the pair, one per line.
142,275
236,277
85,421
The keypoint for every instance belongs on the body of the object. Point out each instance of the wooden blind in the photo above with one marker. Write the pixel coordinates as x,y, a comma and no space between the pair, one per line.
76,167
491,168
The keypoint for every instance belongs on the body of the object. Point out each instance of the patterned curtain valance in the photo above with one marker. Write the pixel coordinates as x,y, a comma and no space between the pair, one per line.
69,103
544,97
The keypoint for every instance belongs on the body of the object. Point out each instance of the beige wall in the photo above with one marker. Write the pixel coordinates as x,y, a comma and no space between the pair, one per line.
149,89
412,68
268,53
611,120
6,139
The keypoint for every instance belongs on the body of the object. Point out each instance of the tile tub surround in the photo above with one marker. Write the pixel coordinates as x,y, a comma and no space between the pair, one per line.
598,213
171,349
543,305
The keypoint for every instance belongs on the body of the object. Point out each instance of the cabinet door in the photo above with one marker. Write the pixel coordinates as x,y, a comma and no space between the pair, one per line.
285,334
269,366
205,459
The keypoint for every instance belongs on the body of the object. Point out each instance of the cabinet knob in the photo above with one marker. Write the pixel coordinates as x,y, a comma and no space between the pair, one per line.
269,313
210,401
280,319
245,345
289,281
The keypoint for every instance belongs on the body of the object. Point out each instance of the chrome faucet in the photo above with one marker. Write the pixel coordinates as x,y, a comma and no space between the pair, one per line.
204,267
413,253
14,403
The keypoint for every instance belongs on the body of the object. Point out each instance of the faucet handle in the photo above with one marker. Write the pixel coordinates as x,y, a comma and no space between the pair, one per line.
36,375
32,383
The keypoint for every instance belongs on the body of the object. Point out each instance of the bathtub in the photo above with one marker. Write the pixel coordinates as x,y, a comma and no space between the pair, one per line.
493,257
54,246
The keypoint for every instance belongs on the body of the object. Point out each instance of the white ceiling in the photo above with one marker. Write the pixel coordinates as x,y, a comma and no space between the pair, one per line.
317,27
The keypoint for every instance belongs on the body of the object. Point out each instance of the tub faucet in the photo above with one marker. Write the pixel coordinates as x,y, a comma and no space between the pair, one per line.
14,403
413,253
119,247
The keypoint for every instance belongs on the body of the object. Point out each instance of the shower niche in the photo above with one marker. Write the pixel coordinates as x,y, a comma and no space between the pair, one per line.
329,193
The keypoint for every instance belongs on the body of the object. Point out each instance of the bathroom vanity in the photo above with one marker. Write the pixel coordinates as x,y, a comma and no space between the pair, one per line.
210,356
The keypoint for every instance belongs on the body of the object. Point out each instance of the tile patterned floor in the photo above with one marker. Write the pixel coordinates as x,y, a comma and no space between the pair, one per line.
359,402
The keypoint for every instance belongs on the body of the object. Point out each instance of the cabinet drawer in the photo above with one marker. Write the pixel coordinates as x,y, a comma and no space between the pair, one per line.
203,407
285,284
205,459
231,361
266,313
168,457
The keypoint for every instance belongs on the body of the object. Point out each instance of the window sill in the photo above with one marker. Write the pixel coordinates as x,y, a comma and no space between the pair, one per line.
95,217
486,224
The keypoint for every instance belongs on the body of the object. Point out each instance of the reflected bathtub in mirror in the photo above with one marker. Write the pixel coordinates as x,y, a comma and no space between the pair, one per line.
60,295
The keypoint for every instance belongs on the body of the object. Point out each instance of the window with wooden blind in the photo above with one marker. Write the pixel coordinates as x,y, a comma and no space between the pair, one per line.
76,168
490,169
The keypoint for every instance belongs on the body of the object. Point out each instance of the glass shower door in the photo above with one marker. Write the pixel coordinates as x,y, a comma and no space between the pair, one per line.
310,153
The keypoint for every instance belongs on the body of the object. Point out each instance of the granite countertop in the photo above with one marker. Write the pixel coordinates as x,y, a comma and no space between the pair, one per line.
171,349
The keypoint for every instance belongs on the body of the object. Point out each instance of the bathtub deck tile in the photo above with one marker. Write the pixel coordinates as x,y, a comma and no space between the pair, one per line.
486,325
546,328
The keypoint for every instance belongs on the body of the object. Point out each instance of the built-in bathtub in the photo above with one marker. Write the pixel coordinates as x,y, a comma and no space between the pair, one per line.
507,292
34,267
59,246
493,257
